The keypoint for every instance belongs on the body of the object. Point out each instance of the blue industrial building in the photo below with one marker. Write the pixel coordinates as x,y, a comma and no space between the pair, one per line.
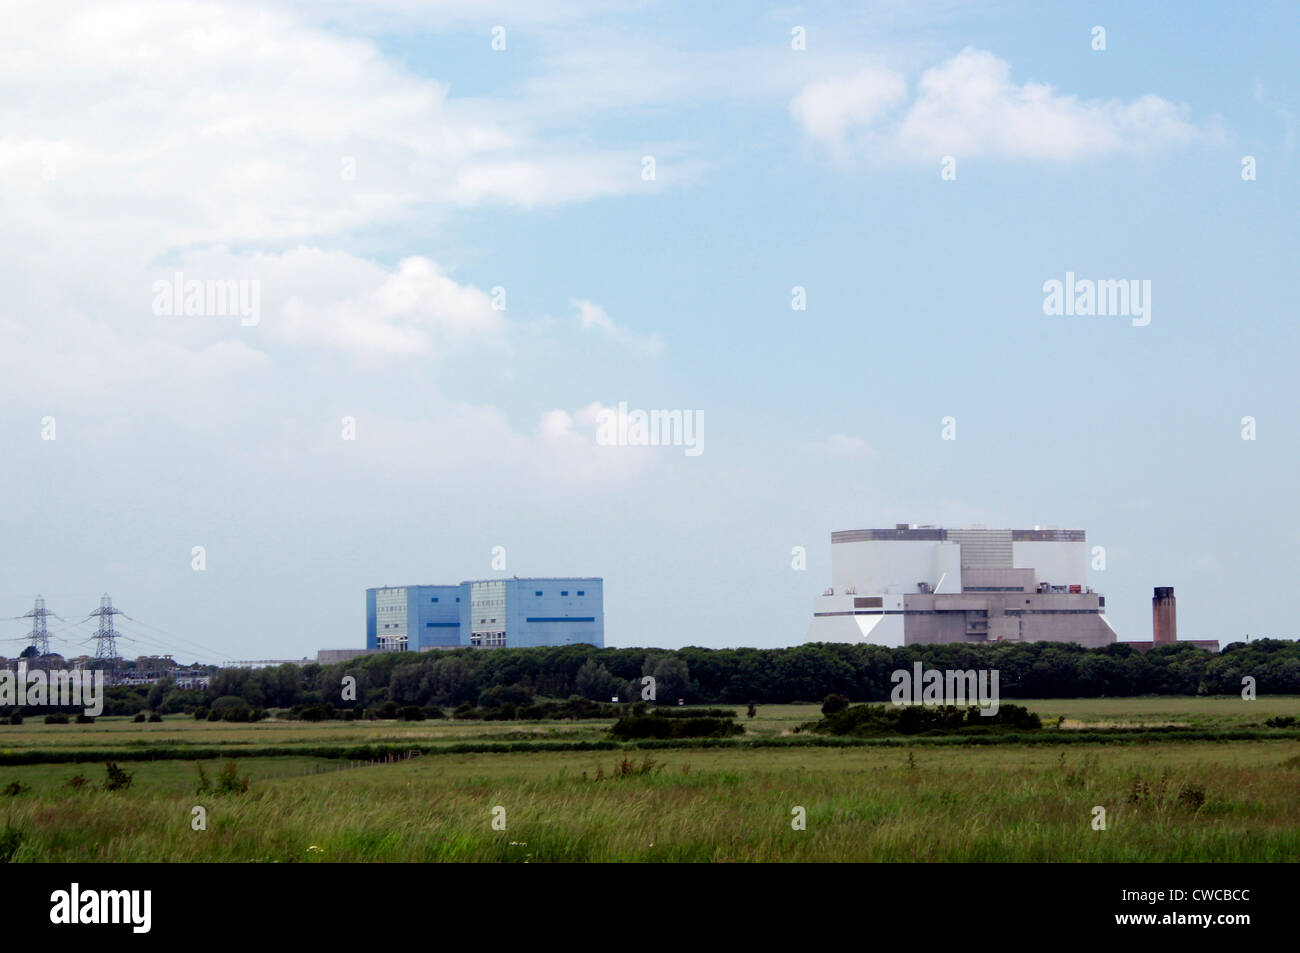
487,613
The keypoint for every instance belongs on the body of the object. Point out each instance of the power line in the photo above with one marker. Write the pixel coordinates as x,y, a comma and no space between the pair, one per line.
40,634
106,637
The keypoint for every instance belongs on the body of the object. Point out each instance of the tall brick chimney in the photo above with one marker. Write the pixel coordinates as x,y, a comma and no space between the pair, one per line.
1164,618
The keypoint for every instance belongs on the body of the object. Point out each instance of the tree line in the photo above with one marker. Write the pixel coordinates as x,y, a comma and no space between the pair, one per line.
733,676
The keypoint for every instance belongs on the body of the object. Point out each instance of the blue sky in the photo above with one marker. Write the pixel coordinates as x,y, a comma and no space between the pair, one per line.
211,138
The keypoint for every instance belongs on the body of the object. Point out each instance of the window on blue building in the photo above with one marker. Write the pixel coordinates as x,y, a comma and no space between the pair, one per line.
435,599
581,593
538,592
564,592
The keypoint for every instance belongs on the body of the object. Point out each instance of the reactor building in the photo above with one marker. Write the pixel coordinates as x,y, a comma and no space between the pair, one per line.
488,613
922,584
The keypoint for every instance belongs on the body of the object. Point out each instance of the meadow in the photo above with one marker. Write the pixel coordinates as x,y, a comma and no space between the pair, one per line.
1164,800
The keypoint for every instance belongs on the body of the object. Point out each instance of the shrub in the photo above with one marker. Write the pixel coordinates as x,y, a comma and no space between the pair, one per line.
139,717
78,781
322,712
692,712
834,704
16,787
229,782
751,711
11,838
56,718
499,696
433,711
654,726
117,780
84,719
412,713
865,721
1192,796
200,714
388,710
230,701
16,718
155,717
214,714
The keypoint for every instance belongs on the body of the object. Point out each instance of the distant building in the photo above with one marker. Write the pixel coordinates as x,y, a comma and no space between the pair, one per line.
333,656
488,613
1164,624
923,584
266,662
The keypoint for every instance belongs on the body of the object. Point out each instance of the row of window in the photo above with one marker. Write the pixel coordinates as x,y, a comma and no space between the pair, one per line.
563,592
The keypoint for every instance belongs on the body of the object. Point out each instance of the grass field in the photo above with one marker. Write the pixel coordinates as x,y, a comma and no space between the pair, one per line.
1164,801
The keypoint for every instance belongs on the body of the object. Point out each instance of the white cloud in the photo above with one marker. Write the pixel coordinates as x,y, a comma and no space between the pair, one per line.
178,124
969,106
593,317
414,309
825,109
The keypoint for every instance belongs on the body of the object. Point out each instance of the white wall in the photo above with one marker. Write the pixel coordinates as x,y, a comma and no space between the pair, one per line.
1058,563
877,565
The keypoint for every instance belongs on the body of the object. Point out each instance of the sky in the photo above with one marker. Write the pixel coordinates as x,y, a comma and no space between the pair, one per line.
466,231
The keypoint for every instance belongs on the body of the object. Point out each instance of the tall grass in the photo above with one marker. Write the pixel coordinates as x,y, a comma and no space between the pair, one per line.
1163,802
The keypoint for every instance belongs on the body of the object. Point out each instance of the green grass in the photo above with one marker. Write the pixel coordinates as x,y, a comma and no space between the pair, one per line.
1165,800
953,804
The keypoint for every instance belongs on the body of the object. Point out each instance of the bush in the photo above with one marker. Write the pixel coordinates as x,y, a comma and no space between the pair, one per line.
692,713
117,780
10,840
866,721
78,781
388,710
653,726
433,711
155,717
200,714
214,714
16,718
834,704
498,696
84,719
412,713
14,788
56,718
230,701
139,717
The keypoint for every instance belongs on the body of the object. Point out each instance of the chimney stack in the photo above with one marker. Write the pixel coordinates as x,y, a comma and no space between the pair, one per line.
1164,618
